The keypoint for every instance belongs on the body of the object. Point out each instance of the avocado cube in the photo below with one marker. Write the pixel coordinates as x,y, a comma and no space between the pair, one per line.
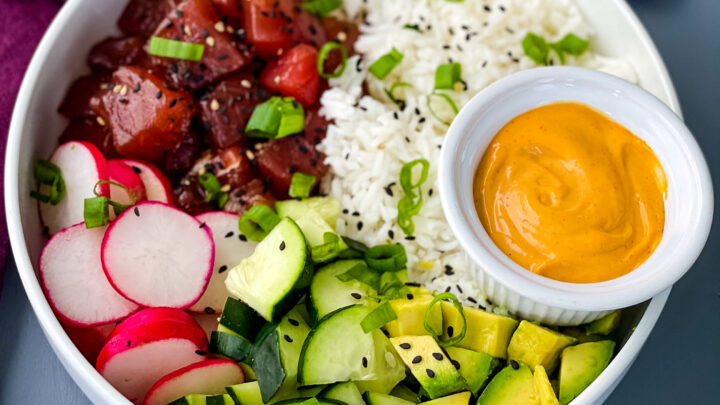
315,229
579,333
429,365
411,316
474,367
605,325
581,365
461,398
374,398
544,388
513,385
535,345
486,332
345,391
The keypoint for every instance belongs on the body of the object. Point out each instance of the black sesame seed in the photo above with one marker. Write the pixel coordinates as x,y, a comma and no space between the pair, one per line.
438,356
356,296
364,362
203,225
411,284
456,364
288,339
128,343
169,25
449,270
416,359
229,234
355,214
430,373
359,226
502,8
293,322
179,13
409,238
514,364
487,8
222,268
471,299
410,296
395,115
482,307
136,210
458,288
173,102
136,88
242,237
345,211
173,68
447,289
158,95
201,352
391,234
405,346
282,245
450,331
421,120
209,310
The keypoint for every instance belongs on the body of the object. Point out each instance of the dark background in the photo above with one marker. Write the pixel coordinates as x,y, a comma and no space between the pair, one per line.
680,364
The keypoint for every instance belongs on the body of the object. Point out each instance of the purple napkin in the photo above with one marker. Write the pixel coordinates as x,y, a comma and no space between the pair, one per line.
23,23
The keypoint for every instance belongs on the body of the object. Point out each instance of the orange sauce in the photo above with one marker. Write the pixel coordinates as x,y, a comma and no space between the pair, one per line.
568,193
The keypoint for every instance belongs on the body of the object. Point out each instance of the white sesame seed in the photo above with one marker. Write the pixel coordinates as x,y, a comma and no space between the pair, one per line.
214,105
104,86
225,188
187,31
202,171
276,80
258,146
116,89
210,41
101,121
250,155
341,36
246,83
229,29
219,26
280,51
124,90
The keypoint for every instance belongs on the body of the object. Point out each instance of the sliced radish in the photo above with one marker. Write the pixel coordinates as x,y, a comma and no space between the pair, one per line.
82,166
137,357
158,256
89,340
123,174
209,322
209,377
72,275
230,249
157,186
151,315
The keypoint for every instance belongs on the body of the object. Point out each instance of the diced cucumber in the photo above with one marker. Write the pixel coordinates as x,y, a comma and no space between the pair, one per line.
276,354
402,391
390,371
321,401
327,207
328,293
347,392
241,319
374,398
249,372
200,399
246,393
337,349
229,345
274,278
324,243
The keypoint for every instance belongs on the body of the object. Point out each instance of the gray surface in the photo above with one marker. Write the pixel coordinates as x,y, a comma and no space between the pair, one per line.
679,363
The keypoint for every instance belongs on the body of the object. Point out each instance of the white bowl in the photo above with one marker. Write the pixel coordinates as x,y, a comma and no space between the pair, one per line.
688,205
35,126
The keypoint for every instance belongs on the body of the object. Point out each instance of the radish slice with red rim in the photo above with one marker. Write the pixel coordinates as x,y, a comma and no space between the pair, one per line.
157,186
209,377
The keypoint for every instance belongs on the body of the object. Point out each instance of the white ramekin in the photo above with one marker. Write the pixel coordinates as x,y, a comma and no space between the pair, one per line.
688,206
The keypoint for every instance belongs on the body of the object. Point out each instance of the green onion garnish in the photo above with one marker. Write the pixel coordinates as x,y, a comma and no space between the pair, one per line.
363,274
355,250
447,75
538,49
446,100
214,189
276,118
411,203
321,8
414,27
384,258
49,174
323,55
96,212
391,94
456,303
378,318
257,222
176,49
391,287
383,66
329,248
301,184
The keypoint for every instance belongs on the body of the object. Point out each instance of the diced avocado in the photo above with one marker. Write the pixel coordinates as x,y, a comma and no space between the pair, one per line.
201,399
544,388
474,367
327,207
328,293
248,371
581,365
535,345
411,316
461,398
486,332
513,385
429,364
605,325
374,398
346,392
402,391
579,333
316,231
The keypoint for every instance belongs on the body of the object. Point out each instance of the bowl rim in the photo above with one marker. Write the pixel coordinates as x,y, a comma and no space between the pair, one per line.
599,296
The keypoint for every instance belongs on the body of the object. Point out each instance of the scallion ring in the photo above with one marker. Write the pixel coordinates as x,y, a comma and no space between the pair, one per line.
212,186
410,204
176,49
447,75
321,8
301,184
48,174
276,118
449,101
96,212
391,94
378,318
328,249
384,258
257,222
456,303
383,66
323,55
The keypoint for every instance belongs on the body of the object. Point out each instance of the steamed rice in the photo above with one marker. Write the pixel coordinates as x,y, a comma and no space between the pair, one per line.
372,138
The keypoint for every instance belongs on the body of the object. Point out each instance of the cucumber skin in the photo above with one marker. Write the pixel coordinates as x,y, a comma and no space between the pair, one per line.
233,347
297,291
241,319
322,401
269,369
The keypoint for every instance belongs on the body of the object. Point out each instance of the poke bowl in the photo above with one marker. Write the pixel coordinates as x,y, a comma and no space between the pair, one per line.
366,111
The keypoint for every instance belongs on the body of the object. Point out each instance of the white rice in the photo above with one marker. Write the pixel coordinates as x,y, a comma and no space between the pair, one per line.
367,145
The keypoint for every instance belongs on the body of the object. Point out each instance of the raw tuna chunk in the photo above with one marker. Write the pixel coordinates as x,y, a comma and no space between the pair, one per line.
142,17
294,75
279,159
78,97
87,129
251,194
111,53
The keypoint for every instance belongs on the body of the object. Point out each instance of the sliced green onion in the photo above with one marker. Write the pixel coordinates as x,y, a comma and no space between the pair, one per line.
276,118
447,100
118,208
322,8
378,318
176,49
323,55
257,222
414,27
301,184
447,75
363,274
410,204
384,258
456,303
355,250
328,249
391,287
383,66
214,189
49,174
96,212
391,94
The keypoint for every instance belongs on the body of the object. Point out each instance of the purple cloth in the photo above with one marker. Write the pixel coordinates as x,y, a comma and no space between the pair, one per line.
23,23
